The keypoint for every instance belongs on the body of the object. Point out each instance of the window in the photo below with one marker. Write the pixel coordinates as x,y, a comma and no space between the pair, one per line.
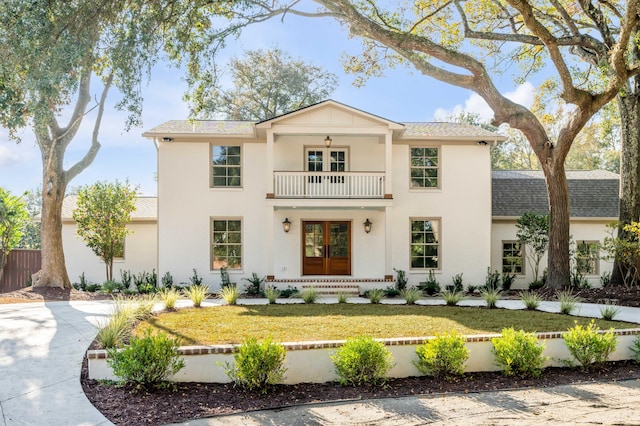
226,166
424,168
425,243
512,258
226,243
587,257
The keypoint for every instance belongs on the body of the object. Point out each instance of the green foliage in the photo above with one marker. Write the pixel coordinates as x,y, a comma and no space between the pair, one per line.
536,285
197,294
257,365
625,251
102,213
82,285
531,300
507,281
457,283
169,297
272,294
31,231
490,297
391,292
492,280
518,353
375,295
125,279
472,289
288,292
229,294
452,298
605,279
588,346
267,84
253,288
401,279
431,286
635,349
126,312
146,282
111,333
411,295
309,295
224,278
609,311
195,279
111,286
442,356
13,218
533,231
147,362
362,360
568,301
167,280
342,297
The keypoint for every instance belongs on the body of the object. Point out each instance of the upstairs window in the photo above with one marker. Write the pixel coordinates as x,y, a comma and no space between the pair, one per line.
425,244
424,168
512,258
587,259
226,166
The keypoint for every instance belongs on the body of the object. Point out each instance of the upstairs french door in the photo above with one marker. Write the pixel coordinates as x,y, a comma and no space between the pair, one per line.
326,248
331,163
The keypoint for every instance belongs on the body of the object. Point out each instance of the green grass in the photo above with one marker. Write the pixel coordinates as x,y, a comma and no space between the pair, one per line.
286,323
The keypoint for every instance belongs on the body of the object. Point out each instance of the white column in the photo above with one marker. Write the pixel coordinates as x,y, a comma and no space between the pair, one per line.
270,240
388,243
388,162
270,143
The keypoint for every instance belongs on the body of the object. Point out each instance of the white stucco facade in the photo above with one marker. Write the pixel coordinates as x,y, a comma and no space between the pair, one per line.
376,150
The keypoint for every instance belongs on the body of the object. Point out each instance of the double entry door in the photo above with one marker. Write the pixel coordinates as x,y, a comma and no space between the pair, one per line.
326,247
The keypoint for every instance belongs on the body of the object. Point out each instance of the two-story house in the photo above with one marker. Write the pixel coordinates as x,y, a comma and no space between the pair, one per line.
324,193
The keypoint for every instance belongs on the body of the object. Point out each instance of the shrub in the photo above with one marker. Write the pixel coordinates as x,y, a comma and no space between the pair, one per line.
490,297
362,360
411,295
253,288
167,280
309,295
111,333
148,361
257,365
442,356
375,295
568,301
452,298
457,283
288,292
609,311
518,353
401,279
342,297
197,294
431,286
507,281
472,289
125,278
536,285
531,299
391,292
92,288
195,279
492,280
169,297
272,294
635,349
82,285
605,279
111,286
588,346
229,294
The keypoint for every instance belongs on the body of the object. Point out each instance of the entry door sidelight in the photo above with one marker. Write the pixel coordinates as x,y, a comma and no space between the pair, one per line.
326,248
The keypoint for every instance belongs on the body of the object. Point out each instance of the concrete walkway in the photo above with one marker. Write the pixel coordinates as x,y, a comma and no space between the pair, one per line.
42,346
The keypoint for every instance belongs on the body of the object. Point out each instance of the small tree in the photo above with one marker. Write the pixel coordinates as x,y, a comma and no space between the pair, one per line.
13,218
533,232
102,214
31,232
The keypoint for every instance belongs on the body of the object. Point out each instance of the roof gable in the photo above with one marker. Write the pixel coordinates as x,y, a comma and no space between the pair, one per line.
329,113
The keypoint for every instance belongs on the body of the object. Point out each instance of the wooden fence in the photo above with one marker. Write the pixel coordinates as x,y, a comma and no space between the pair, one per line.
17,272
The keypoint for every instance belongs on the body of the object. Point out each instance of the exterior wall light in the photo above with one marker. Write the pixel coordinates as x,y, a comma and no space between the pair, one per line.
286,225
167,139
482,143
367,225
327,141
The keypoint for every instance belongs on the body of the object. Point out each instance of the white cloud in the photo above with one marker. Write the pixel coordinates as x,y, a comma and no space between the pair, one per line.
8,156
522,95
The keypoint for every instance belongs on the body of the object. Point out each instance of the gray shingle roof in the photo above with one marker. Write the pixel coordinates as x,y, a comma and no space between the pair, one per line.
146,208
216,127
592,193
448,130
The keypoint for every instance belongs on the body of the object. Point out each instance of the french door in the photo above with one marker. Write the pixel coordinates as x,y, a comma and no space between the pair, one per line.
326,248
332,160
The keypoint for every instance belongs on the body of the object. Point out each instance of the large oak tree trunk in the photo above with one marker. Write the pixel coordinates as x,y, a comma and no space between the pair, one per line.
559,213
629,106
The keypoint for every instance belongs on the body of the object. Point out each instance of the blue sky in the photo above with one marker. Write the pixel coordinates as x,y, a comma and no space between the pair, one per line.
401,95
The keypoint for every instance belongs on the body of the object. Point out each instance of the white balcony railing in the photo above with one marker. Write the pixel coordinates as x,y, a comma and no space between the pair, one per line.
328,184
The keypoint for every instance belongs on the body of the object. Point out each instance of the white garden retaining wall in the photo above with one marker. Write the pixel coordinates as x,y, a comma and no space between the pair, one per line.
310,362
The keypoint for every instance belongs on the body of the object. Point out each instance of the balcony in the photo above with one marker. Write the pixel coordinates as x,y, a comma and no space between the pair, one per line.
328,184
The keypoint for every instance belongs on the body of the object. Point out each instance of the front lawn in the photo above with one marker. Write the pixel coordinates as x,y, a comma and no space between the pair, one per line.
289,323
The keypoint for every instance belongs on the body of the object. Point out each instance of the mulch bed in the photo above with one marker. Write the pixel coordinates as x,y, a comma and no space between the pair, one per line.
125,406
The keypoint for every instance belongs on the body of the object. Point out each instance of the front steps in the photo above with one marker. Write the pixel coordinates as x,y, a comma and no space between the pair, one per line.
333,286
